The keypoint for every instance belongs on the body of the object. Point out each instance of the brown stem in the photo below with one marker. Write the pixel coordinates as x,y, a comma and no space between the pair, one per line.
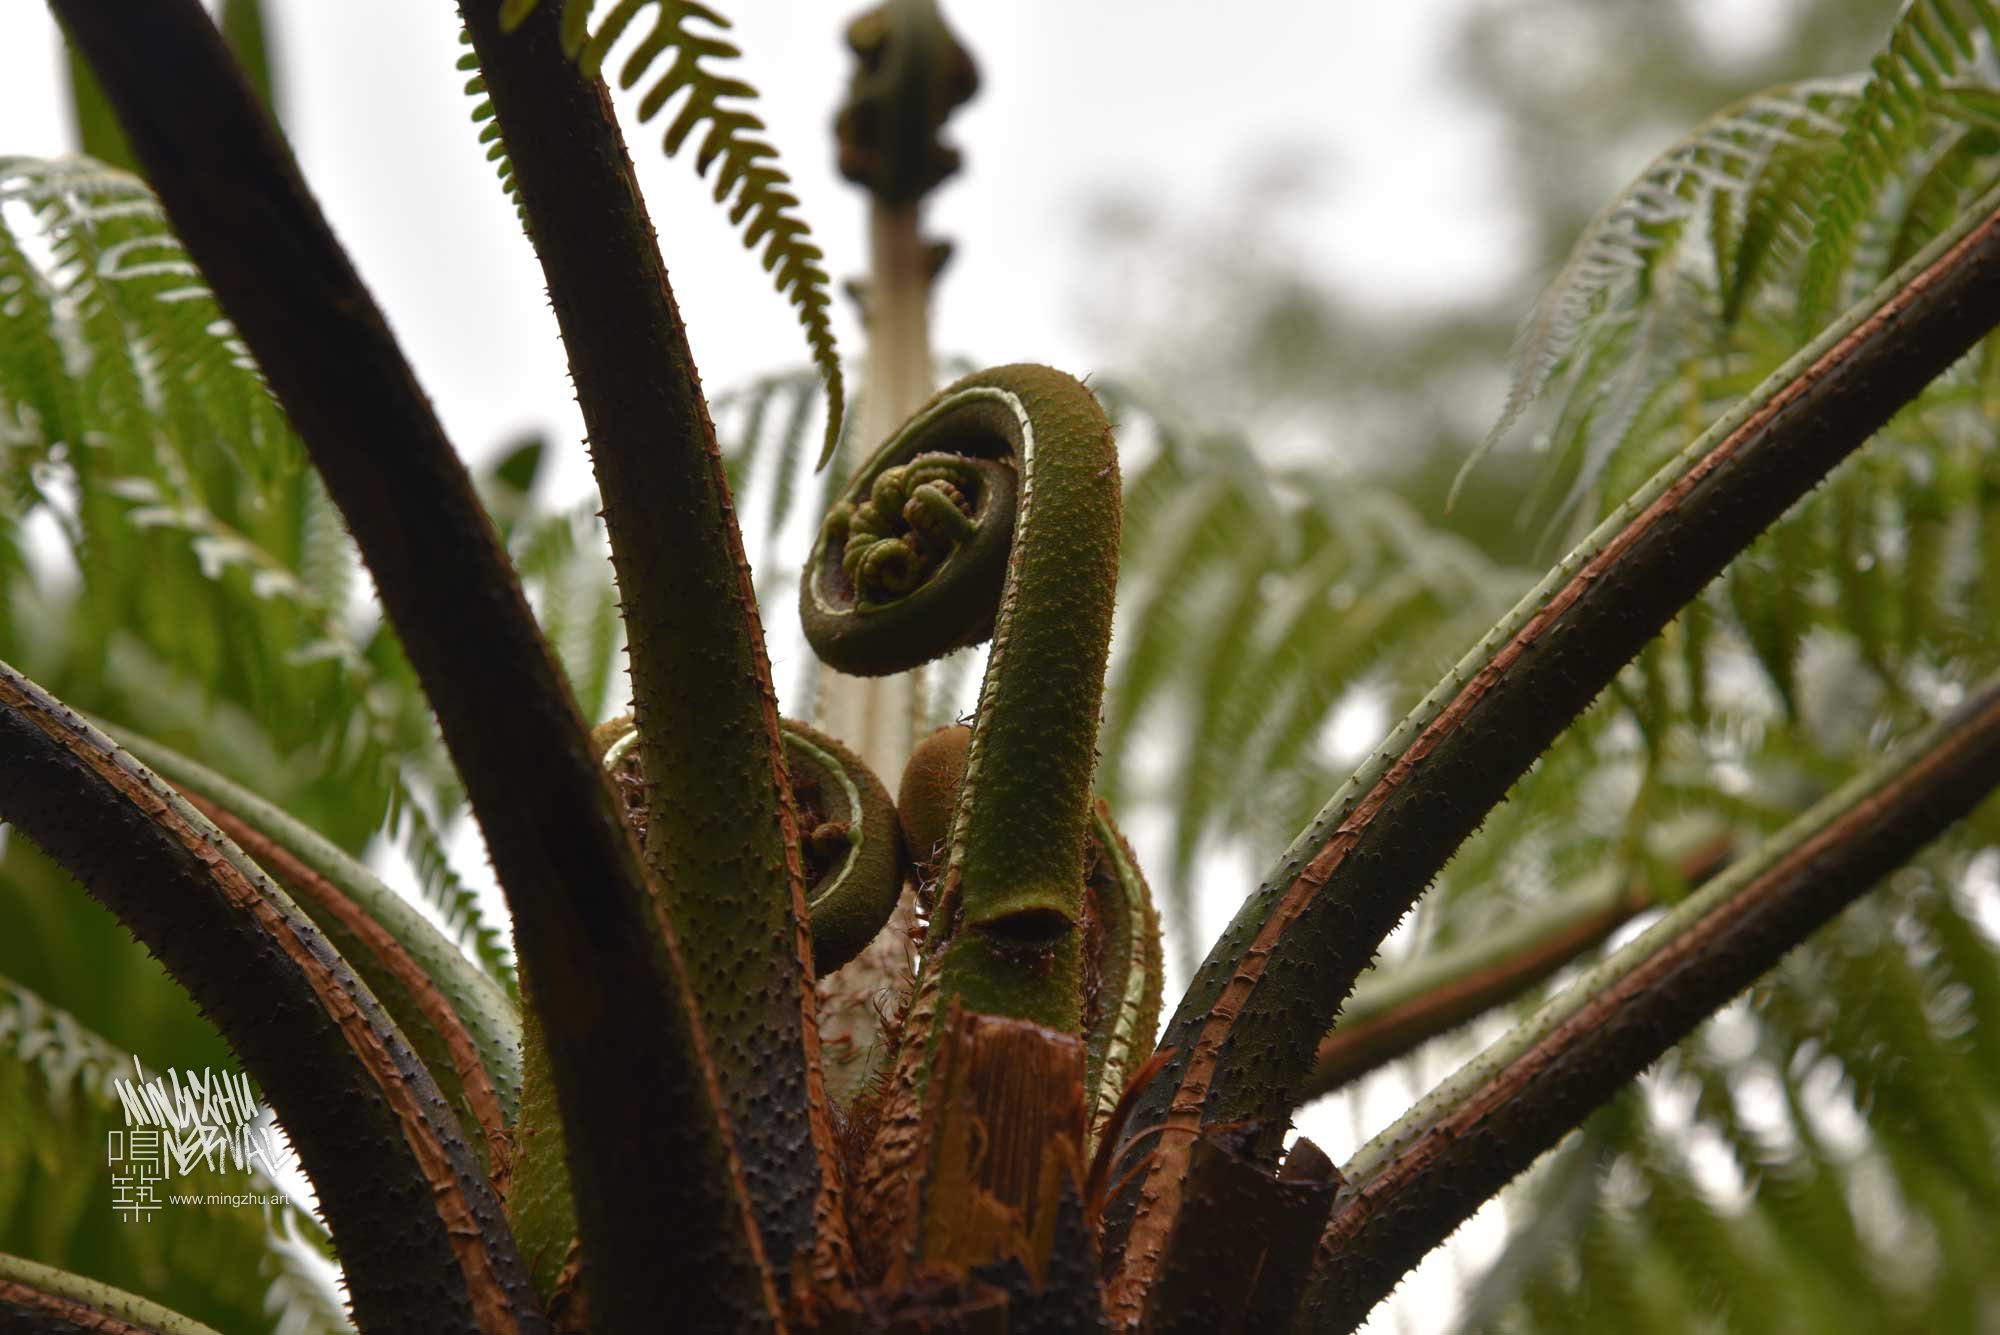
663,1206
375,952
415,1220
721,840
1277,977
1414,1186
1369,1037
1239,1263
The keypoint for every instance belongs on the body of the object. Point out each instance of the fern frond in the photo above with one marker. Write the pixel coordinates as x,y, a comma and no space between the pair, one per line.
208,551
749,180
565,570
1256,602
456,902
1933,43
1640,234
489,128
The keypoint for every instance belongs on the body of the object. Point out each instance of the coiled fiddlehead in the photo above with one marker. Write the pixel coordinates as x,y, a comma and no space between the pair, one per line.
848,835
850,841
994,511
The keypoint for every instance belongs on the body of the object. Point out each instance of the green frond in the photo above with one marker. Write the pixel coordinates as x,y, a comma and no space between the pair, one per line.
489,128
214,567
1257,602
682,62
1904,100
456,902
565,568
1950,179
1644,233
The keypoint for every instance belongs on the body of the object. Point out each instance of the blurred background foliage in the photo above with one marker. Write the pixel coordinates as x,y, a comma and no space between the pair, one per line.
1821,1157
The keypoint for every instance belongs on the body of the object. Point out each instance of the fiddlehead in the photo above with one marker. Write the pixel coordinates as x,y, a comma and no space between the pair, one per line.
1122,957
848,835
994,511
911,560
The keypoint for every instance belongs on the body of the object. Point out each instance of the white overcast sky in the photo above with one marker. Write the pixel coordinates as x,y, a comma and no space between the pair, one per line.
1157,100
1174,102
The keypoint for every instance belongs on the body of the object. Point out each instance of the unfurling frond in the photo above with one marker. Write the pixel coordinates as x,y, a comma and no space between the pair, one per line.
763,203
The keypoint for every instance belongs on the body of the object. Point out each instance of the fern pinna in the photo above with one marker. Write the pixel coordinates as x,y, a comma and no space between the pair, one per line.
647,1131
763,205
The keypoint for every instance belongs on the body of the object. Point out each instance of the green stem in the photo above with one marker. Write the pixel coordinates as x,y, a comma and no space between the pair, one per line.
720,842
1418,1181
1028,444
1392,1013
414,1219
485,1011
1122,965
38,1299
664,1206
1242,1034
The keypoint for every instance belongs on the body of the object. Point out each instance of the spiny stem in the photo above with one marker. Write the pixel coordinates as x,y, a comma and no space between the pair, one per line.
1417,1181
412,998
1393,1013
720,838
414,1218
38,1299
1282,969
663,1203
479,1007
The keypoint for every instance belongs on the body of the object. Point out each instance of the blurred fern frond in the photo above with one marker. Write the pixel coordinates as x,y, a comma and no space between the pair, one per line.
1935,72
1818,1159
1258,603
1743,238
1734,175
135,428
1814,1159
